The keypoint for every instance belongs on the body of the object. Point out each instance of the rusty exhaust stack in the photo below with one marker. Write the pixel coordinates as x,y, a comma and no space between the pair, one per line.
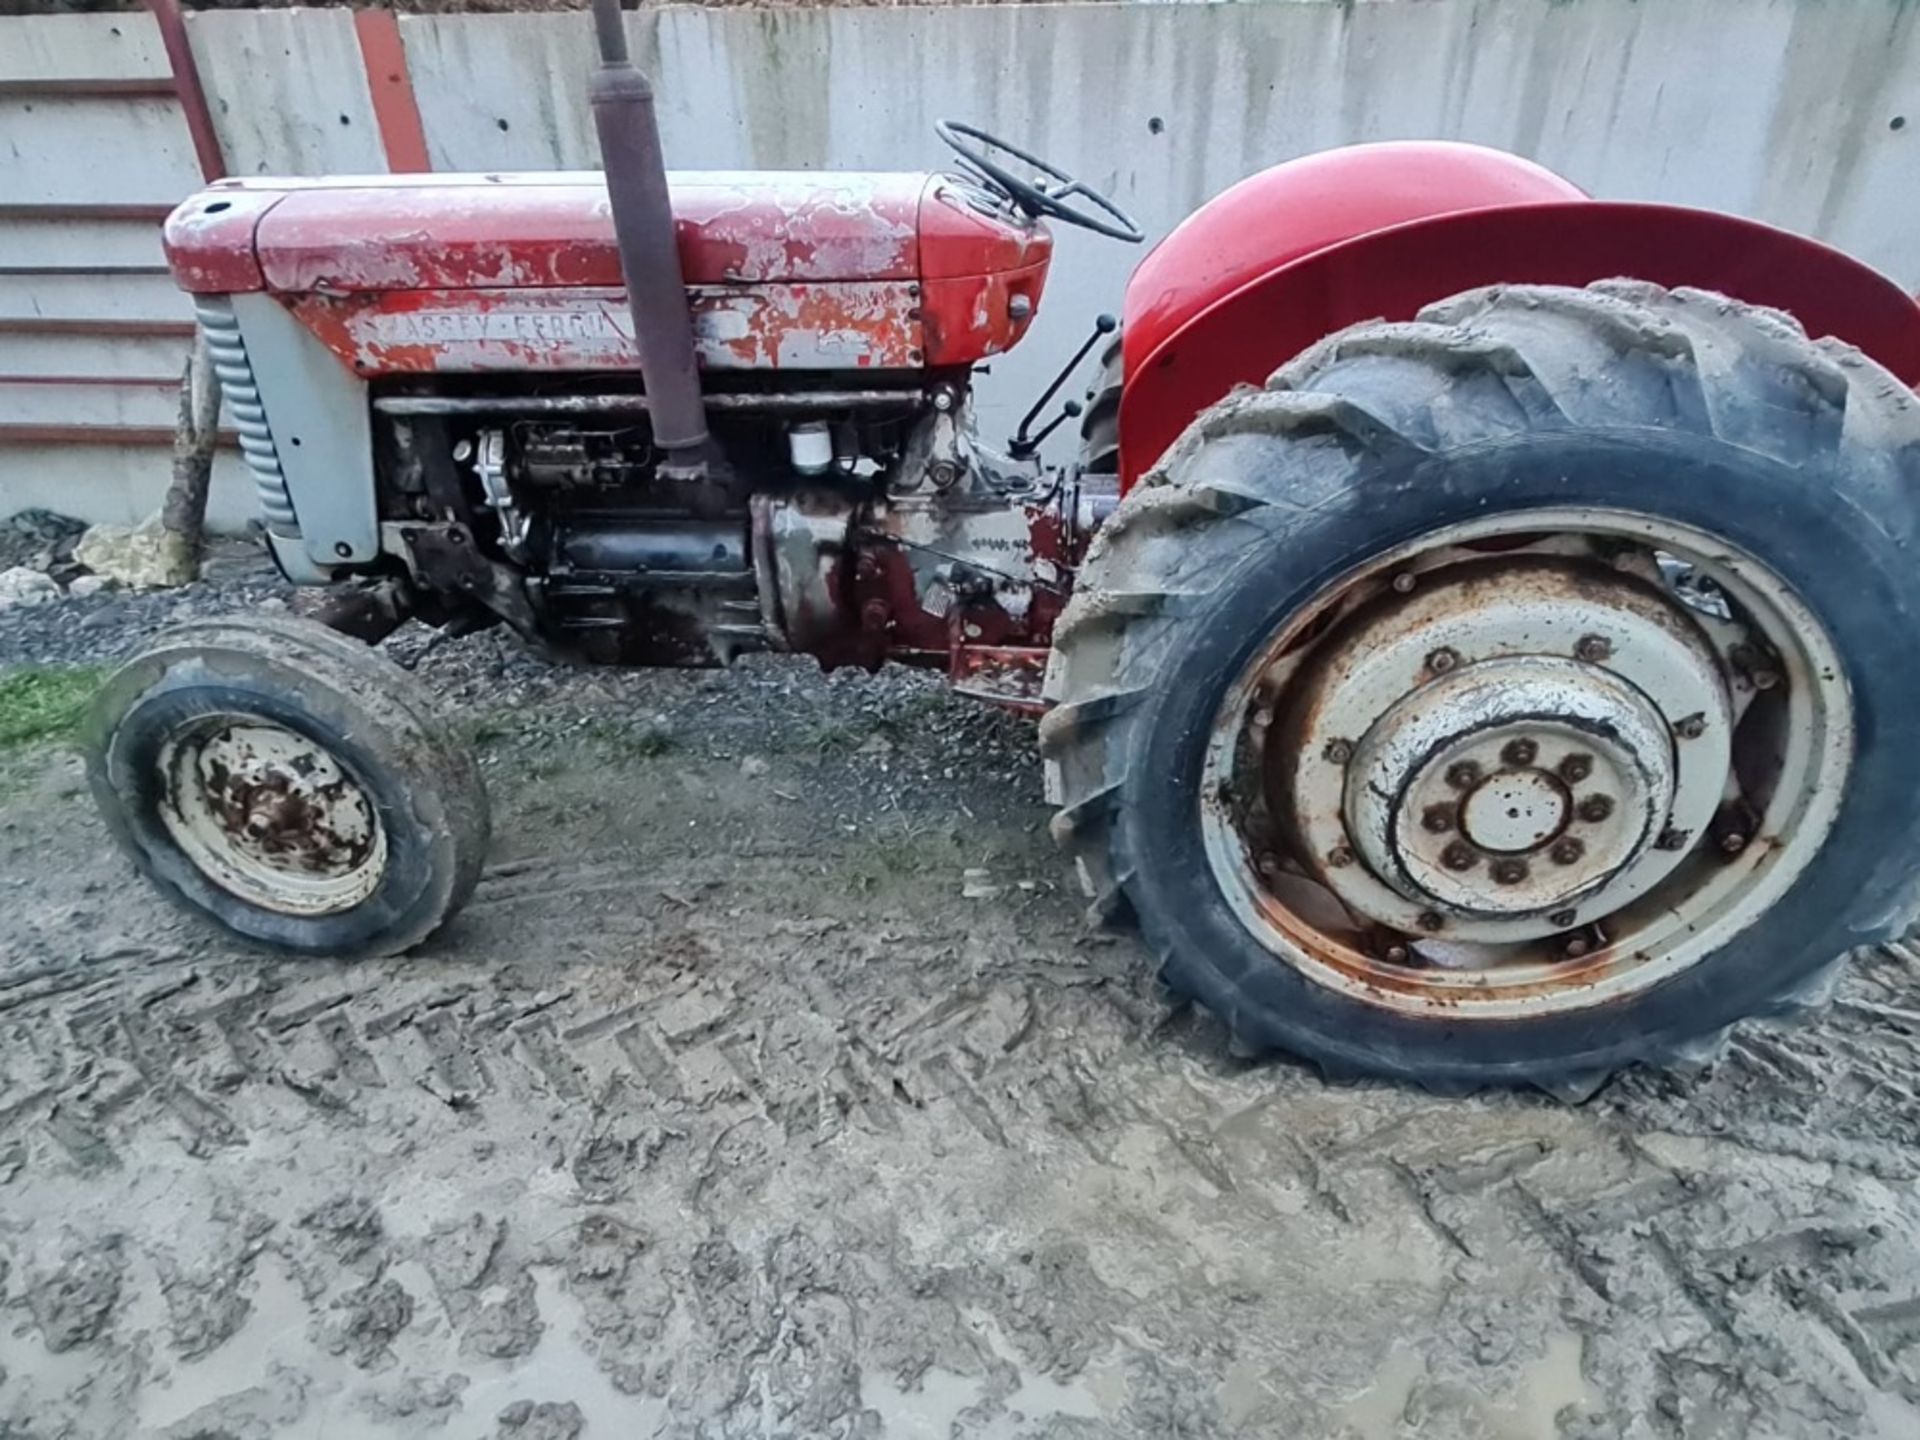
636,170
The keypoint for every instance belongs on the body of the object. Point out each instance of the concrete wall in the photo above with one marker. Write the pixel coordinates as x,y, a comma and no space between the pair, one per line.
1793,111
94,149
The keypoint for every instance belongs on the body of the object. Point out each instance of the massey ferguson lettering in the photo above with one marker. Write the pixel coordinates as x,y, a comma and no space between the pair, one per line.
442,327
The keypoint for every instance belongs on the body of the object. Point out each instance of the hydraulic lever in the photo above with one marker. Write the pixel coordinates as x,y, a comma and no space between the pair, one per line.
1023,445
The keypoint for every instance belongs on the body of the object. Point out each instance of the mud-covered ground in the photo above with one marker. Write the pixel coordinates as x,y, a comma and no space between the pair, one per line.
771,1086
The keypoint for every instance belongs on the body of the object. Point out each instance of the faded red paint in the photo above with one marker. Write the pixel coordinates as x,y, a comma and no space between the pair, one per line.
826,326
976,635
555,230
965,232
969,318
1010,676
209,240
520,272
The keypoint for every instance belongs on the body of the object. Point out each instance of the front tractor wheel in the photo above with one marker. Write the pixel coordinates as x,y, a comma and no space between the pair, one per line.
288,784
1511,695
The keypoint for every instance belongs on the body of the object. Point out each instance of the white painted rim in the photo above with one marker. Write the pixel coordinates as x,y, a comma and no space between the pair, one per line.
1693,907
270,816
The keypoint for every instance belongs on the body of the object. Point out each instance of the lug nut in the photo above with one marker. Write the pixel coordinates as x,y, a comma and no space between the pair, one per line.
1671,839
1338,752
1690,728
1754,665
1562,918
1576,947
1519,752
1443,660
1576,767
1510,871
1397,954
1567,851
1733,842
1458,856
1437,819
1429,920
1339,857
1593,648
1595,808
1403,582
1463,774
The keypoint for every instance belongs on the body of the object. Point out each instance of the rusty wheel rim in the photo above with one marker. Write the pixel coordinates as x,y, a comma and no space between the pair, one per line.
1531,764
271,816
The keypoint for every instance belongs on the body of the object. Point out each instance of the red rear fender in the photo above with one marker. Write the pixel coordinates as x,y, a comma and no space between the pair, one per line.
1211,308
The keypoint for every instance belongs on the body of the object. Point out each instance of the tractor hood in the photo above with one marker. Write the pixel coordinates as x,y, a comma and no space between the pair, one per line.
352,234
417,274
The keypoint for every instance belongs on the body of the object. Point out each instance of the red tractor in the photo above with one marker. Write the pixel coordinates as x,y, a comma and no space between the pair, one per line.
1462,663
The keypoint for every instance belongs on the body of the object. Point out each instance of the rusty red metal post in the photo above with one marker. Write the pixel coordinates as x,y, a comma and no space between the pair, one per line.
390,86
186,85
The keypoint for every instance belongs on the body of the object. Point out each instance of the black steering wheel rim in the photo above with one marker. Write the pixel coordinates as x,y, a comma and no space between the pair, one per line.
972,145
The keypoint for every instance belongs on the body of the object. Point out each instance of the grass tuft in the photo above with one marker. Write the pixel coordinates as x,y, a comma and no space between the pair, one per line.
646,741
44,703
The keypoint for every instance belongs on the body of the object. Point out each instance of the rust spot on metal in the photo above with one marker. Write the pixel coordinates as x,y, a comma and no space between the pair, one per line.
270,812
1009,676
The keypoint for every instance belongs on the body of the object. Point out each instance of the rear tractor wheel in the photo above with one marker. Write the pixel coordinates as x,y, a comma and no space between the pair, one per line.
1511,695
290,785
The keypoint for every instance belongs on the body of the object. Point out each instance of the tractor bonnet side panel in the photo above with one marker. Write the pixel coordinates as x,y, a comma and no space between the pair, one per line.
477,273
1244,335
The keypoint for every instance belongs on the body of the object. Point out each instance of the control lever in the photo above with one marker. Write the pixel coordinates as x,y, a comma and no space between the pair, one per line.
1023,446
1070,411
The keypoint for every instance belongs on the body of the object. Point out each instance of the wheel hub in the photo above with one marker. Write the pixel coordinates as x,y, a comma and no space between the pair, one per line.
271,816
1510,786
1503,752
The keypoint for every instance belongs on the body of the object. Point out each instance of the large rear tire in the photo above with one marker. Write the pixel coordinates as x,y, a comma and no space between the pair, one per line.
1663,539
289,784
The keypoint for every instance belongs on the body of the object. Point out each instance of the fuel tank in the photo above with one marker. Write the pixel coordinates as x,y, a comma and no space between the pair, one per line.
407,275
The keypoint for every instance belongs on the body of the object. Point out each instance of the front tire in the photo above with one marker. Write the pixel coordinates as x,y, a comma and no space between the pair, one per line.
290,785
1677,482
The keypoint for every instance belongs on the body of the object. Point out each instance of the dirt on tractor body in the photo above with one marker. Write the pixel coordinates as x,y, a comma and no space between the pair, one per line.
772,1085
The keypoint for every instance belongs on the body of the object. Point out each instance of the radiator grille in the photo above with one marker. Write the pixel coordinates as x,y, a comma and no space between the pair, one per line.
216,317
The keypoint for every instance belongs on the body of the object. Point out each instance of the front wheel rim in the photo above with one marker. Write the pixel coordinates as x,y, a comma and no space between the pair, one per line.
1526,765
270,815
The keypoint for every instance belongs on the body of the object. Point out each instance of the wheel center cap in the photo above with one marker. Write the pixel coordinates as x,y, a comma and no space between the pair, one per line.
1510,786
1515,811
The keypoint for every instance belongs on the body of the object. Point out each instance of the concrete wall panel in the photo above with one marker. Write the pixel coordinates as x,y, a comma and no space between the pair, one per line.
288,91
69,243
92,355
82,47
115,484
91,297
83,149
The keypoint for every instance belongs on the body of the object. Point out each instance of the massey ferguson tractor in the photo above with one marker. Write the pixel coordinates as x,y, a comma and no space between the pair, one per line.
1475,643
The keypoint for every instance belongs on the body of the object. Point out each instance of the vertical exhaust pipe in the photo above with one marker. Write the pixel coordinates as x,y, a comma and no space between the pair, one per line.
636,171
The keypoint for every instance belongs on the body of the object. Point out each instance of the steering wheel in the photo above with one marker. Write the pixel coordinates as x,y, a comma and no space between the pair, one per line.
1046,195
